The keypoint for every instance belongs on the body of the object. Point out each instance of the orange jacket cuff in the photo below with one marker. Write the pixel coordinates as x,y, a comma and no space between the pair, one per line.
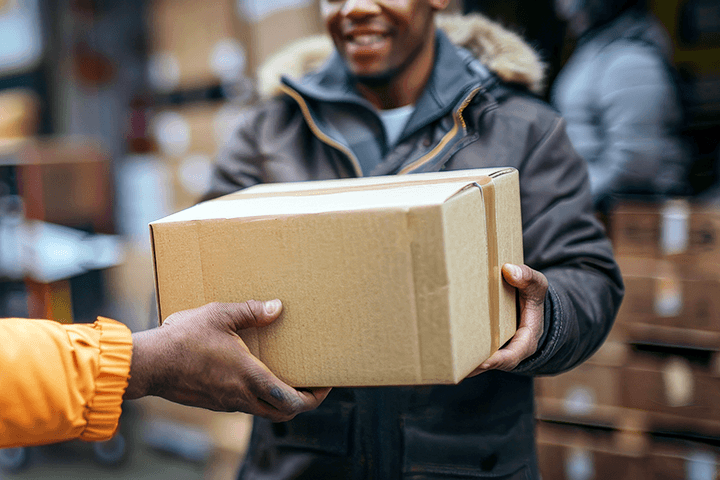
103,410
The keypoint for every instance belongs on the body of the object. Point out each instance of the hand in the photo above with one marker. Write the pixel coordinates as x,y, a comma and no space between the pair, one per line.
532,287
197,358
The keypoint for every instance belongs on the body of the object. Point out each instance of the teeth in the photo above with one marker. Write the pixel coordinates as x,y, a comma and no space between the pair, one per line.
367,39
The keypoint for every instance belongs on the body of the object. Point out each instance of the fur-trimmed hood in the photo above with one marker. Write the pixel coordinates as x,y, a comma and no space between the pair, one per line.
503,52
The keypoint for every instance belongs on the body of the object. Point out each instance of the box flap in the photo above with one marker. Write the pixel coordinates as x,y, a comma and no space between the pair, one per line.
375,182
328,201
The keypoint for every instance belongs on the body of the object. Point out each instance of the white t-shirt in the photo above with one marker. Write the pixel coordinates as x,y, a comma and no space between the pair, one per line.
394,120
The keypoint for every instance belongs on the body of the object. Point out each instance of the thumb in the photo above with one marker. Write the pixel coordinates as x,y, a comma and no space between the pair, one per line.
530,283
252,313
518,276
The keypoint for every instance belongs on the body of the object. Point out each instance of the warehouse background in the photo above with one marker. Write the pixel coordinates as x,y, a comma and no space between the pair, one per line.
110,115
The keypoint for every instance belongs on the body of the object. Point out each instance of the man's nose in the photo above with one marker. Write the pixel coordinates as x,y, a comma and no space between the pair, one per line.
360,8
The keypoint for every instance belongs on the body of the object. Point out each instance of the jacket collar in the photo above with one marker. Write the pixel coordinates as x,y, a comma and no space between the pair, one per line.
455,73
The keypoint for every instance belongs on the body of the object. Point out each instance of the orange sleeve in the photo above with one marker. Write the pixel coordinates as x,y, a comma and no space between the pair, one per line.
60,382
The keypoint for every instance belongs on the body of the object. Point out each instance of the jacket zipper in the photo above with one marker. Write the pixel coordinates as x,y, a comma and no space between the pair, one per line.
458,122
323,137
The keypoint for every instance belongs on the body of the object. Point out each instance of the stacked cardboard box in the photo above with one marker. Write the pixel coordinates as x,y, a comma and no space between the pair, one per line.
586,391
67,182
669,254
196,46
662,374
680,384
189,137
571,452
200,44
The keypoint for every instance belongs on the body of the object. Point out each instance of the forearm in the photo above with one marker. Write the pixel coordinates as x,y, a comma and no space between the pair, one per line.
67,380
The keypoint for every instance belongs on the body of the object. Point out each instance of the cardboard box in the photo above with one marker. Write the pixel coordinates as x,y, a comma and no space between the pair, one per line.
675,230
67,181
20,113
676,459
670,384
202,44
572,452
665,293
266,27
593,384
385,280
189,137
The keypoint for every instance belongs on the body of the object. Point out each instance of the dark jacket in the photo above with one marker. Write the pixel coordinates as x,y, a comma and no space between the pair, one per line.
466,118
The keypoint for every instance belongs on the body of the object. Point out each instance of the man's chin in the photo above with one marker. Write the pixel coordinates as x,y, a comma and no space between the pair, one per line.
375,80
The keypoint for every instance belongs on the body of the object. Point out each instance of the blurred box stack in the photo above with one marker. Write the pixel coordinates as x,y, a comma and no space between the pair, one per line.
189,137
202,67
202,63
56,192
573,452
194,46
657,378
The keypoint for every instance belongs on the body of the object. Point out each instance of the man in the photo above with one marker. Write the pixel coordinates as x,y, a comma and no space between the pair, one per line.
61,382
397,97
619,96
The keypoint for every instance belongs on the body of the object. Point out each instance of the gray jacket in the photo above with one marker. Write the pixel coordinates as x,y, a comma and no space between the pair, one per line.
621,104
466,118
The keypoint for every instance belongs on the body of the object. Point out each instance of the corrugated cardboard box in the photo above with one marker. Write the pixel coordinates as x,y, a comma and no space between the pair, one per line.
593,384
682,459
675,230
385,280
670,383
665,293
189,137
66,180
570,452
203,44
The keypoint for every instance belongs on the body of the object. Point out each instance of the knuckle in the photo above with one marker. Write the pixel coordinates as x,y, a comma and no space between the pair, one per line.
249,310
527,273
213,307
254,305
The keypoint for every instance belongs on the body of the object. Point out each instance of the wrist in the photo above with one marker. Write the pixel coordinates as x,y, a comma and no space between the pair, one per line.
141,379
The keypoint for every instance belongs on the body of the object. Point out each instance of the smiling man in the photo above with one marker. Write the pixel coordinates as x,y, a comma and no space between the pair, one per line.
398,96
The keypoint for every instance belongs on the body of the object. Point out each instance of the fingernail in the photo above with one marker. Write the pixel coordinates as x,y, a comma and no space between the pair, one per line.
514,270
485,366
272,306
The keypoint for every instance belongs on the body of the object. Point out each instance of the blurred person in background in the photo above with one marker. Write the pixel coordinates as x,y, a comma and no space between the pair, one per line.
399,96
61,382
620,98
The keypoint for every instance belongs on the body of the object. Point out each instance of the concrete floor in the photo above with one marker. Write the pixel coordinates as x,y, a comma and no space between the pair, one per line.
77,460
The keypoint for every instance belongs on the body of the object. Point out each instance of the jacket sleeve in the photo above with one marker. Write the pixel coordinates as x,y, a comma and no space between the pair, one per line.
61,382
565,241
639,115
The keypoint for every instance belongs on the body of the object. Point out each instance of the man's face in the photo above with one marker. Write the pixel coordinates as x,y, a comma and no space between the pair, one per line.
380,38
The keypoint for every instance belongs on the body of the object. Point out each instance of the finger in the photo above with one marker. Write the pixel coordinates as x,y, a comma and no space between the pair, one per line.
313,397
522,346
280,396
252,313
309,400
531,284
